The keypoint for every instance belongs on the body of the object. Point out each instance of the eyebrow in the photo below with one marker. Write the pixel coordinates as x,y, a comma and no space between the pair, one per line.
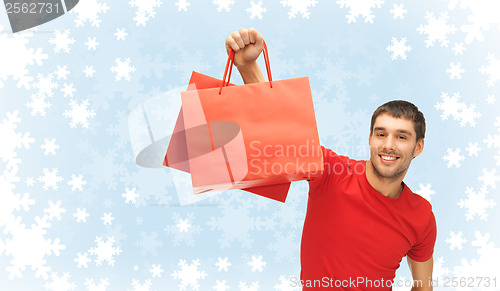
399,130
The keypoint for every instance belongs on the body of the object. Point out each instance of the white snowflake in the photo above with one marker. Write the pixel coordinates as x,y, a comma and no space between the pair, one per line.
45,85
11,201
439,271
62,72
68,90
141,287
77,182
183,229
491,99
426,191
436,29
476,204
145,10
29,181
81,215
60,283
38,104
398,11
485,265
107,218
451,106
489,179
12,140
360,8
189,274
453,157
299,6
156,271
223,5
456,240
483,15
285,284
16,57
182,5
130,195
62,41
89,11
123,69
102,286
91,43
257,263
256,10
253,287
493,140
220,285
149,244
50,179
54,210
49,146
89,71
473,149
28,247
120,34
82,260
459,49
398,48
222,264
492,70
455,70
104,251
79,114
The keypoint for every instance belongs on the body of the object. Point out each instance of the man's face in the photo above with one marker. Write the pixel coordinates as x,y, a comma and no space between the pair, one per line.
393,145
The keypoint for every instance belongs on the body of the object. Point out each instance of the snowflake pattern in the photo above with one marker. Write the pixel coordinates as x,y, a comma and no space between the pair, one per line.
28,247
256,10
16,58
104,251
79,113
145,10
189,274
122,69
62,41
58,283
360,8
89,11
476,204
456,240
452,106
492,70
81,215
398,11
54,210
149,243
299,6
183,229
399,48
437,29
223,5
481,19
130,195
455,70
49,146
453,157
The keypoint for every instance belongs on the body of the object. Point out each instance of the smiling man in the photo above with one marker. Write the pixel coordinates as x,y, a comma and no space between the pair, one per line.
361,219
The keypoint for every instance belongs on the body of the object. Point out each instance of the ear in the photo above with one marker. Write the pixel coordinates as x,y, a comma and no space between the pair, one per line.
419,148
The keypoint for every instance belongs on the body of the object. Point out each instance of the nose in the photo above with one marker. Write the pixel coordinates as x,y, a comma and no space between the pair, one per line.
389,144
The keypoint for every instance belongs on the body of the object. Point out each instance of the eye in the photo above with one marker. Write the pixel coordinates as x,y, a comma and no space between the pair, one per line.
380,134
402,137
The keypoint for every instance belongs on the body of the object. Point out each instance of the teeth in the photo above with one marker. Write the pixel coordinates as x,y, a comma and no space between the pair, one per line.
388,158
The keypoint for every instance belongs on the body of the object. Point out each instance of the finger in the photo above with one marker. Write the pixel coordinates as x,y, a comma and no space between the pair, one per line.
244,35
237,38
259,39
231,44
252,33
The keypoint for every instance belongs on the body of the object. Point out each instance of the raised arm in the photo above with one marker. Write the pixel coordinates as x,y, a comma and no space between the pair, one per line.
421,273
247,44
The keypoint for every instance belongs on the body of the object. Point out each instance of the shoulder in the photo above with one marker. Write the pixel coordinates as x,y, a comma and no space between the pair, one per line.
420,206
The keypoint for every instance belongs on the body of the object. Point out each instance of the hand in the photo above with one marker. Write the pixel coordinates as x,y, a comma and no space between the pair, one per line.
247,45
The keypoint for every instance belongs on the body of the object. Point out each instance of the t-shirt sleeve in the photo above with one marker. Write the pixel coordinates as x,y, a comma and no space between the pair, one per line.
424,248
334,166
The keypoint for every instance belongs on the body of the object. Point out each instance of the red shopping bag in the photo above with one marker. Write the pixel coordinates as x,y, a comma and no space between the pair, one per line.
251,135
177,156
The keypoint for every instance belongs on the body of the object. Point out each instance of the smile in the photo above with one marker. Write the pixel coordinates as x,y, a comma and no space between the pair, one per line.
387,159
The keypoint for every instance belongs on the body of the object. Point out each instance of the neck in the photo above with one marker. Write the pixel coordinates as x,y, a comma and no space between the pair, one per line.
389,187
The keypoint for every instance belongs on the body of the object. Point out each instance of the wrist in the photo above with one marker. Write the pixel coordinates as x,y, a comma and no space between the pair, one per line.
251,73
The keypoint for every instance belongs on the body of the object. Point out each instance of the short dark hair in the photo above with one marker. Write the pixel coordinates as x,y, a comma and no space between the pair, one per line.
405,109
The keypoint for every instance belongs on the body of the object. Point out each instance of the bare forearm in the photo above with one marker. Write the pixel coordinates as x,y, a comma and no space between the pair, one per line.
251,73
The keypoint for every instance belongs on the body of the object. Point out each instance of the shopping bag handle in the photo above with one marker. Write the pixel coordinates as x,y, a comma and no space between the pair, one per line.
229,65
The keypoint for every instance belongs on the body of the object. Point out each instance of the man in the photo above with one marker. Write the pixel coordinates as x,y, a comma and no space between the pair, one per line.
361,219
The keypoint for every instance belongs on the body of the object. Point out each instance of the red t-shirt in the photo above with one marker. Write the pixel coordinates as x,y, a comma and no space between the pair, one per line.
354,237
